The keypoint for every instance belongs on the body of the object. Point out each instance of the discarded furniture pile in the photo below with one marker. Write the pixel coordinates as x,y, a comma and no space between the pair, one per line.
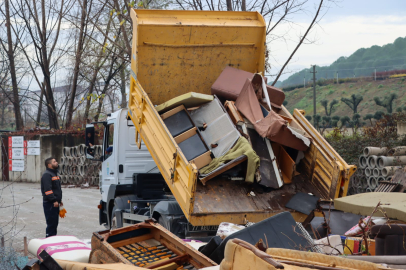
76,169
377,168
240,131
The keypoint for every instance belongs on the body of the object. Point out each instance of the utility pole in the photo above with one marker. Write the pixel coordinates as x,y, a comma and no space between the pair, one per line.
375,74
314,94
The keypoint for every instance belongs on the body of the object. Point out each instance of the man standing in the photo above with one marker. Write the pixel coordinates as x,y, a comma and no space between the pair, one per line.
52,195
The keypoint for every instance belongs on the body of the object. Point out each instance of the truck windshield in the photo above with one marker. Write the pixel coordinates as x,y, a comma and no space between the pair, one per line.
109,143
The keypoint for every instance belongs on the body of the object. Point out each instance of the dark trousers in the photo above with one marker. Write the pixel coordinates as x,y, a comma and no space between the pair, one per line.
51,217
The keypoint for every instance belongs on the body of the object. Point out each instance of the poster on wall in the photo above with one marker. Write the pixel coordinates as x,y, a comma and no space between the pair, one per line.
16,141
33,144
33,151
16,165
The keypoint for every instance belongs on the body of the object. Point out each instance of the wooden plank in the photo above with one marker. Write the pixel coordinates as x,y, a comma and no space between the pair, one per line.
202,160
185,135
172,112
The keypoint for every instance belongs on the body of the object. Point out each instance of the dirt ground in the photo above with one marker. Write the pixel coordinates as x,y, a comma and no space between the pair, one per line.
82,218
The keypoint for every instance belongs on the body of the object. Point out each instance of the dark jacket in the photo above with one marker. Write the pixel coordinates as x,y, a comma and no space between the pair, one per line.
51,186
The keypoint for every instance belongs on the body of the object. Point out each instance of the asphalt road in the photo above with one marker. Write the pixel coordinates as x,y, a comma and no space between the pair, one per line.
82,218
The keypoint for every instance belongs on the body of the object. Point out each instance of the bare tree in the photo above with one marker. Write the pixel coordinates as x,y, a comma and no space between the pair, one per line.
42,20
9,46
78,56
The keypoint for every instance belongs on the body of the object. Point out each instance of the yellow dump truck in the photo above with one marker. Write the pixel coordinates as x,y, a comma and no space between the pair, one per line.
177,52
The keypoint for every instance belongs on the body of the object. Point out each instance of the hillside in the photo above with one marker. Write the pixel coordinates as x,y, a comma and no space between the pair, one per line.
361,63
302,98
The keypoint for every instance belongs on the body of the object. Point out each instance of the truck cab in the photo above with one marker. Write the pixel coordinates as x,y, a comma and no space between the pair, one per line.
122,163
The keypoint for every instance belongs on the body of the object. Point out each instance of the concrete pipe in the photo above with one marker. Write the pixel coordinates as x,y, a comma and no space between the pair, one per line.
66,151
376,151
368,190
390,170
80,179
96,181
364,183
397,151
389,178
377,172
355,180
68,179
100,150
82,170
63,168
362,162
62,161
359,190
95,172
62,178
72,151
70,161
361,172
391,161
368,172
351,191
372,182
82,149
372,161
380,179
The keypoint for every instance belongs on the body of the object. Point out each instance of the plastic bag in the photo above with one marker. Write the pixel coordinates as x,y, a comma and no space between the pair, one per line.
62,211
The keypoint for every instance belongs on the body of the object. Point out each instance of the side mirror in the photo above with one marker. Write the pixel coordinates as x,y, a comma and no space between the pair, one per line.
89,141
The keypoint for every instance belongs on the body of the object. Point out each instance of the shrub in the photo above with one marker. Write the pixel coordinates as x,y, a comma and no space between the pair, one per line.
380,86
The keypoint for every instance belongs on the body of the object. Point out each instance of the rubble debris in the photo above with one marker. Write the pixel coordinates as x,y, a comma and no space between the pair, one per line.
278,230
303,203
229,84
268,168
272,125
241,148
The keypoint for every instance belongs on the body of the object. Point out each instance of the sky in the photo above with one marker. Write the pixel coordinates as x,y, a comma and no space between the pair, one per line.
347,26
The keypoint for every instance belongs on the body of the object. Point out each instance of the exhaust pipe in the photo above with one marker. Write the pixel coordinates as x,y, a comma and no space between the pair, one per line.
377,151
391,161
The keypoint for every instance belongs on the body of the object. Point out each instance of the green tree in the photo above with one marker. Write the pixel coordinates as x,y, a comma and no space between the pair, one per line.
309,118
285,102
399,109
344,120
317,120
353,102
369,117
387,102
378,115
334,120
328,108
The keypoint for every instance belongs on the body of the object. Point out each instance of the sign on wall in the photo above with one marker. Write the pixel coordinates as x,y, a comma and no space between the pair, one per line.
16,141
33,152
16,153
33,148
33,144
16,165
